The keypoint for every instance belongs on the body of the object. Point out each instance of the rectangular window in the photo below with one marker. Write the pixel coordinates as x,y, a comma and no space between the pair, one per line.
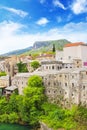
65,84
72,84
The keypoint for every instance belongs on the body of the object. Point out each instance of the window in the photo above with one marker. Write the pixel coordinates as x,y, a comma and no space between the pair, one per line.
69,57
72,84
83,87
65,76
48,83
52,67
72,94
54,83
60,75
58,67
65,92
46,67
60,92
49,91
72,76
65,84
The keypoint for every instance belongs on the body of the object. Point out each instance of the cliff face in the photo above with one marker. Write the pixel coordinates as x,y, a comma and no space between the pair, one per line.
40,44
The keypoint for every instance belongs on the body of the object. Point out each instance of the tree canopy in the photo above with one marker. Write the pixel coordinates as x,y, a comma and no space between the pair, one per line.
22,67
35,64
3,74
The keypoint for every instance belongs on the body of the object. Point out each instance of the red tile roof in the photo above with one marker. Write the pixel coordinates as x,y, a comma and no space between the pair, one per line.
74,44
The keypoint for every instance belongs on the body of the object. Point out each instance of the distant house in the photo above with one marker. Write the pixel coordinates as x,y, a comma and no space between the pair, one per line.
74,53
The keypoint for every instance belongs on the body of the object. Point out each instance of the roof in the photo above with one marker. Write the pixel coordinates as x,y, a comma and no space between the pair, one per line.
51,62
50,72
74,44
11,88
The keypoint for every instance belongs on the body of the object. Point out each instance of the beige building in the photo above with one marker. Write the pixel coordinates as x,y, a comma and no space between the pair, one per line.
51,65
4,82
65,87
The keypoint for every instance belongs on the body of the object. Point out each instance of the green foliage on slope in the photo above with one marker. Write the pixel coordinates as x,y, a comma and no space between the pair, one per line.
33,107
59,44
68,119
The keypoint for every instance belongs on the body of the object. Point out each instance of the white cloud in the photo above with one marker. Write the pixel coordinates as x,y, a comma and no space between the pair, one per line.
58,4
10,39
42,1
21,13
42,21
79,6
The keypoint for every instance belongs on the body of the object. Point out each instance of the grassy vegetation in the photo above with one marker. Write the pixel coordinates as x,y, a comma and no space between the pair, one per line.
69,119
3,74
32,107
59,44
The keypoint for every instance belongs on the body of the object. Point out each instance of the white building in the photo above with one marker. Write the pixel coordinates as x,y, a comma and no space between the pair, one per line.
74,51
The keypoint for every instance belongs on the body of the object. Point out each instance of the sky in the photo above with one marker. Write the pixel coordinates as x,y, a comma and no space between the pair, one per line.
22,22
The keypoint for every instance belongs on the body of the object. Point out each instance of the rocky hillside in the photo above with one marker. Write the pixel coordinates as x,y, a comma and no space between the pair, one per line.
40,46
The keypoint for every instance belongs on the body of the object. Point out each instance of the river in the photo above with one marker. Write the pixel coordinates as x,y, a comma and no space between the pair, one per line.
13,127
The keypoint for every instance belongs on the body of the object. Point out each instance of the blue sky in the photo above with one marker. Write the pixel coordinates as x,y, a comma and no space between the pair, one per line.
22,22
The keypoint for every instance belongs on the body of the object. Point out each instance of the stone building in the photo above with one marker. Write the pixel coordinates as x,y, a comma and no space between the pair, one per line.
11,65
2,66
51,65
65,87
4,82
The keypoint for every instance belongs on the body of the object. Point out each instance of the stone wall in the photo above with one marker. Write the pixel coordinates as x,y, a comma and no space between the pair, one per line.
65,87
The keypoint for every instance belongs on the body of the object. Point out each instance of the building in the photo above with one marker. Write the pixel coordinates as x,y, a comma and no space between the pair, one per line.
4,82
65,87
59,55
51,65
76,51
72,53
9,90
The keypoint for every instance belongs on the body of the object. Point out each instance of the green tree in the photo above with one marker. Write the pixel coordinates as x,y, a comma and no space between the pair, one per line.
32,101
54,48
3,74
35,64
13,104
3,105
13,117
35,81
22,67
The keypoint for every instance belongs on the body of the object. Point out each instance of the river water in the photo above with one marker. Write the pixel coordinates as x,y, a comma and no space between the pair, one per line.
13,127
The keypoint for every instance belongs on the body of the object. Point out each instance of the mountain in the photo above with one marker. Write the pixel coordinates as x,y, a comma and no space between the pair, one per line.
17,52
40,46
45,46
